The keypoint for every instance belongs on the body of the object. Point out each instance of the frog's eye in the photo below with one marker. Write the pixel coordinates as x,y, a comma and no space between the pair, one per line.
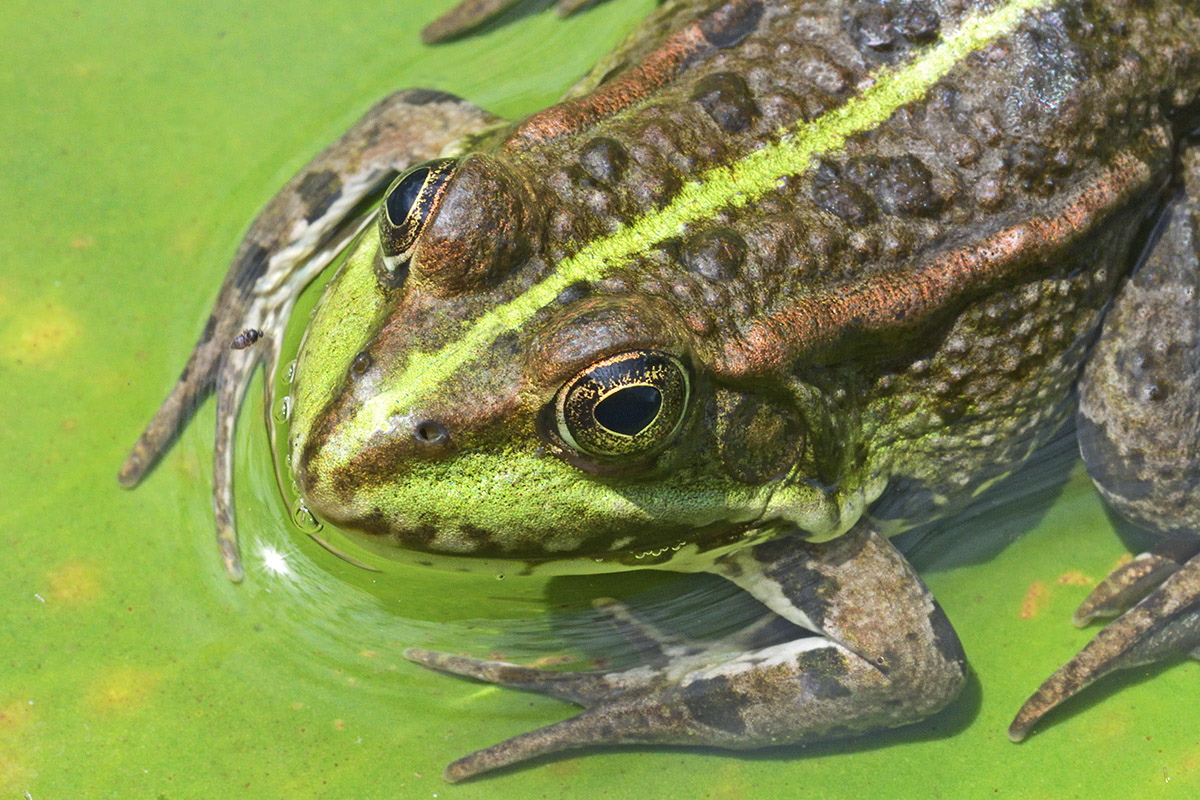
628,404
408,204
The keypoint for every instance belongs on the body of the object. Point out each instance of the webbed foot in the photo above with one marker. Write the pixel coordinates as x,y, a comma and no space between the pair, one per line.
883,655
1163,624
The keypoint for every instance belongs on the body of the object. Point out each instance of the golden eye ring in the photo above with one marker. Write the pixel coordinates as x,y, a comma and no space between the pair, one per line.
407,205
624,406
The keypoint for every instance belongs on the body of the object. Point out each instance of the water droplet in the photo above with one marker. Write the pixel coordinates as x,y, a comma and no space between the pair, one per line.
291,372
305,519
285,409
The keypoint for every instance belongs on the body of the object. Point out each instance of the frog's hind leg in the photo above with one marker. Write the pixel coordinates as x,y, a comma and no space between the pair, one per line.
299,233
1139,433
883,655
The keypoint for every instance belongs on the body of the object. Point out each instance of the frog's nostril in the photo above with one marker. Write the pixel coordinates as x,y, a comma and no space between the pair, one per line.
361,363
431,433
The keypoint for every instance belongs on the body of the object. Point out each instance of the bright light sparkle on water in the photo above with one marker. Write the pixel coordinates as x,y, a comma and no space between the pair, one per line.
275,562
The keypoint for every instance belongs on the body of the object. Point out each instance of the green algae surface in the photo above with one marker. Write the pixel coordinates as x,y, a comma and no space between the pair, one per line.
139,138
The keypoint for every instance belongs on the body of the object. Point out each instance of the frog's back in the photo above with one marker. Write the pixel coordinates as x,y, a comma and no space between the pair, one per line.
1018,122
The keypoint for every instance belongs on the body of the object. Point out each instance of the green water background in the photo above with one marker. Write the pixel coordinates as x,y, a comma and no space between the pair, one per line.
138,139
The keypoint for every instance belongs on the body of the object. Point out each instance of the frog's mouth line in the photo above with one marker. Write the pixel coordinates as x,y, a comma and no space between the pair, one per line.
686,552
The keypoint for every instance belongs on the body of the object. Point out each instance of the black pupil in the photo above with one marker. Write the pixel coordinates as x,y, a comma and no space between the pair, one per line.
629,411
401,200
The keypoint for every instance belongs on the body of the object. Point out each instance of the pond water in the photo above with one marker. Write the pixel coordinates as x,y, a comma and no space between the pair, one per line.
139,138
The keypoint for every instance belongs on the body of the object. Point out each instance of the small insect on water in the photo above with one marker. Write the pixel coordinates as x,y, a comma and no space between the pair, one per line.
246,338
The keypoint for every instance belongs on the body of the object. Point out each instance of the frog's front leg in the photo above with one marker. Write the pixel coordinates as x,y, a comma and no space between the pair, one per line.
297,235
1139,432
884,655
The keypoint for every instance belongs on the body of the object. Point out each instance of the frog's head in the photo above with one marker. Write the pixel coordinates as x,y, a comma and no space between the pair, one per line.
460,392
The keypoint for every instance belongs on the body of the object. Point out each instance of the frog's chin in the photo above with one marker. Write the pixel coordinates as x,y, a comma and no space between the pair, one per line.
694,553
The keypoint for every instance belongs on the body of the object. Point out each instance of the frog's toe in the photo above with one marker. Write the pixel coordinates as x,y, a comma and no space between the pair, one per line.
1133,580
190,389
601,724
584,688
1164,624
465,16
232,381
471,14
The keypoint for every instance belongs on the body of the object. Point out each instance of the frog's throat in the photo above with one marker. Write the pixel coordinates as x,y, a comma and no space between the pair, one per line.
736,184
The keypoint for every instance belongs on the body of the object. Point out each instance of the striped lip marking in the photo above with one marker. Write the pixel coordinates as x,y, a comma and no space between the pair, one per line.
731,185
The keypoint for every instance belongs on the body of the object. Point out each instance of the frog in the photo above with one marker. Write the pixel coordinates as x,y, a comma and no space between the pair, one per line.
773,282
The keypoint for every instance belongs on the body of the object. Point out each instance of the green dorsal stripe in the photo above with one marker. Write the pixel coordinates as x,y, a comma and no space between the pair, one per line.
734,185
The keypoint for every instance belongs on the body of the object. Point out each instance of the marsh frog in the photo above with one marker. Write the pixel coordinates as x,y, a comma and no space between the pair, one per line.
773,282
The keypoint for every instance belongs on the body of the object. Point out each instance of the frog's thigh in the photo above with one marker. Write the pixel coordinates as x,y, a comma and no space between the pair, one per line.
1139,405
1139,433
885,655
